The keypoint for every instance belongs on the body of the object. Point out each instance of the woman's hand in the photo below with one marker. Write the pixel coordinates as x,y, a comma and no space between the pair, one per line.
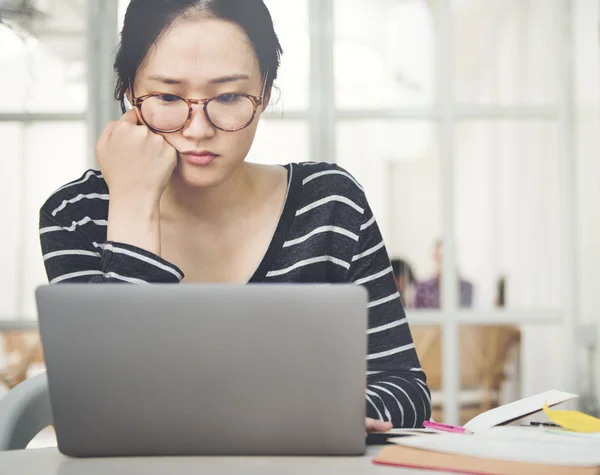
136,163
375,425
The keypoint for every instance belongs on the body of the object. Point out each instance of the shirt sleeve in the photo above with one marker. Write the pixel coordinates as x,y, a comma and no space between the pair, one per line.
396,385
70,257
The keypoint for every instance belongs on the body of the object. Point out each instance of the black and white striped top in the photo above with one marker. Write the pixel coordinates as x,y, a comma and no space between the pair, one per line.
326,234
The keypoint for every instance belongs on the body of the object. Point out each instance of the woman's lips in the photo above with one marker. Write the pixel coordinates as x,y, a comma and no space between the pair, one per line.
199,158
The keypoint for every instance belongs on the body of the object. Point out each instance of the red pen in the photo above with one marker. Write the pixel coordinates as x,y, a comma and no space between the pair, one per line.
446,427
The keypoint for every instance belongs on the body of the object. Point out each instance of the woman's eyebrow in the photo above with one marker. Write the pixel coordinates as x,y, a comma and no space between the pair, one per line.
219,80
230,78
165,79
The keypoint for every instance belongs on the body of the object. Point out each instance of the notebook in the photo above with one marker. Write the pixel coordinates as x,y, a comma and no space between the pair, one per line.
517,410
425,460
506,450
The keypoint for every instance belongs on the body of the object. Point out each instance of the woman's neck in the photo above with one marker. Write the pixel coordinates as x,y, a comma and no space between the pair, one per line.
207,205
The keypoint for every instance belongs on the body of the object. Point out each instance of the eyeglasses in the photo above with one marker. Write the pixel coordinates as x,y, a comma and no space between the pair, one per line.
169,113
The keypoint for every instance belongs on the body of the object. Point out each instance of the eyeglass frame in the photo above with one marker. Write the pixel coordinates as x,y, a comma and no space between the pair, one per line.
256,102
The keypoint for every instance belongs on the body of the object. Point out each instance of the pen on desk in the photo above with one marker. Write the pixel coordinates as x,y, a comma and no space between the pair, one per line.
543,424
446,428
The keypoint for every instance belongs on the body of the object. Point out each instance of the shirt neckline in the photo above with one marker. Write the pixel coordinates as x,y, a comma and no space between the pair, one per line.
283,226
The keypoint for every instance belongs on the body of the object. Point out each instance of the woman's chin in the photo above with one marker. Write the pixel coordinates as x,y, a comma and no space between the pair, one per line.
201,176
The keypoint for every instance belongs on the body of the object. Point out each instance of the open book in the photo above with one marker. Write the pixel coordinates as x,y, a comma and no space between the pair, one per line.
520,409
494,448
498,416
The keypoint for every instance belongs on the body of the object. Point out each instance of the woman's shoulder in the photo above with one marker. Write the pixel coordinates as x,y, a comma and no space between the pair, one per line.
324,178
88,187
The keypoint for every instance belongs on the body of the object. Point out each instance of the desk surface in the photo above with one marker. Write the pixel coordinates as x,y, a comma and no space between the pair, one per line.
50,462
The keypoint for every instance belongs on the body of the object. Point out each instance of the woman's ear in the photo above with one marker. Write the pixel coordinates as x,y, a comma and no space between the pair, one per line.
266,99
129,105
127,100
266,92
265,103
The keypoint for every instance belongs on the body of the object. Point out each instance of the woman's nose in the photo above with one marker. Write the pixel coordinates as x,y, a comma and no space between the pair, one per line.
199,127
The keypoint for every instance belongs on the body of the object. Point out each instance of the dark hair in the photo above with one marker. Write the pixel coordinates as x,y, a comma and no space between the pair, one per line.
146,20
401,267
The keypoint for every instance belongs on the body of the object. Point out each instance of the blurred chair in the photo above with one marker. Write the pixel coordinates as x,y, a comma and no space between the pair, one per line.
22,350
485,352
24,411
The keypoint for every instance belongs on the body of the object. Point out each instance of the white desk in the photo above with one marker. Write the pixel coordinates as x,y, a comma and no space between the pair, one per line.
50,462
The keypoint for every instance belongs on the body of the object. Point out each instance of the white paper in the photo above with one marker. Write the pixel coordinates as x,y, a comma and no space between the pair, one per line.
580,435
517,409
407,431
520,444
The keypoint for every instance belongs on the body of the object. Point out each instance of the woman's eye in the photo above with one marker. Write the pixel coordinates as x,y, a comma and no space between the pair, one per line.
168,98
228,98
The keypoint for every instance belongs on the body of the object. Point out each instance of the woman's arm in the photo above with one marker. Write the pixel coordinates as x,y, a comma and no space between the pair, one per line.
71,257
136,165
396,385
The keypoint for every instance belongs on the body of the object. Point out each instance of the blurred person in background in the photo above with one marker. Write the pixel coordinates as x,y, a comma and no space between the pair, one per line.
427,293
405,280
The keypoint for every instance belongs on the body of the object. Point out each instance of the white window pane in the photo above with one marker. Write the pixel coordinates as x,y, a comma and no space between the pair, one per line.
122,9
50,164
280,142
292,28
508,221
11,138
506,51
37,159
44,73
384,54
397,163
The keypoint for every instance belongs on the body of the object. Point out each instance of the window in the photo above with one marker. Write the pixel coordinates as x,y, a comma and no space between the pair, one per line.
451,118
292,28
283,135
42,73
451,113
384,54
497,47
44,137
43,99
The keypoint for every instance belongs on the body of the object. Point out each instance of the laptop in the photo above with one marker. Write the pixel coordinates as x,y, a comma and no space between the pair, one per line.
194,369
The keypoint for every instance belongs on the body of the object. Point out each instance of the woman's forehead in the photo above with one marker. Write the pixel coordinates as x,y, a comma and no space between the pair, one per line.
198,51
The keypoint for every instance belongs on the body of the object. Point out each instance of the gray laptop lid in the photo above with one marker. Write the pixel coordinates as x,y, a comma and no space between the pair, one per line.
193,369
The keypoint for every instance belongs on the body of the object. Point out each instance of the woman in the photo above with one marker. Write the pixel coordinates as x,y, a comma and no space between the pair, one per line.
185,206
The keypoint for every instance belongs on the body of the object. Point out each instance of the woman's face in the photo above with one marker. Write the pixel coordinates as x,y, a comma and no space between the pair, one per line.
201,59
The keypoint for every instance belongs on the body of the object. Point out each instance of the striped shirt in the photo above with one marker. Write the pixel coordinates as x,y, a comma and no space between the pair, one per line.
327,233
